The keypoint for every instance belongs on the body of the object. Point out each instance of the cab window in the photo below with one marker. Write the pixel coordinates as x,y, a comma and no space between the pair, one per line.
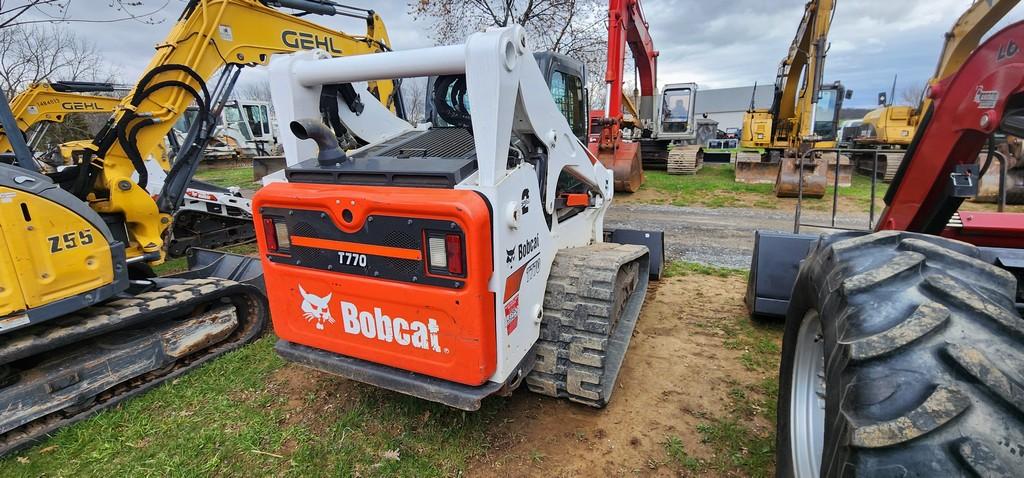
567,91
675,110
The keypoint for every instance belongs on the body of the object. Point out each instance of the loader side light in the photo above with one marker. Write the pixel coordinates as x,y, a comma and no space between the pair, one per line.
276,235
445,254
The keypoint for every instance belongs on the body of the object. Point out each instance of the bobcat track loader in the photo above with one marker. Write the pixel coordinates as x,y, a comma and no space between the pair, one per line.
450,263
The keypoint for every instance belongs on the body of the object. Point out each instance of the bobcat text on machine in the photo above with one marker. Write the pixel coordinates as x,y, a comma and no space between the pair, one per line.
451,263
83,324
904,344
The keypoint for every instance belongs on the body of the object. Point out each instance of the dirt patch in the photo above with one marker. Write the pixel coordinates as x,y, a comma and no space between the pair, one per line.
299,388
679,372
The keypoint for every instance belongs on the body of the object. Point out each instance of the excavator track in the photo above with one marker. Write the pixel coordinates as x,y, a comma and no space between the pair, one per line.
888,164
591,307
66,370
685,159
208,231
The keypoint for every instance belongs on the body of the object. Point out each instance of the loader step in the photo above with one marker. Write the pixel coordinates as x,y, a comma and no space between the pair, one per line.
591,307
456,395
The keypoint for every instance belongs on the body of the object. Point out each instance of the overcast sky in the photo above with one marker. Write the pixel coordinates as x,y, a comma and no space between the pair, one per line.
713,43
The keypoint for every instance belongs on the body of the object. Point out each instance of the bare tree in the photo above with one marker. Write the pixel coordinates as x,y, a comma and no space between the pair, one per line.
257,91
912,94
573,27
34,53
414,91
26,12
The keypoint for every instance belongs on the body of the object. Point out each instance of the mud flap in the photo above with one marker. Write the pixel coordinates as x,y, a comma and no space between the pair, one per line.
654,240
773,271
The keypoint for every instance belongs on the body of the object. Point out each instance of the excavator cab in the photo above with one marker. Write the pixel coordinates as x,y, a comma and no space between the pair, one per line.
819,168
677,124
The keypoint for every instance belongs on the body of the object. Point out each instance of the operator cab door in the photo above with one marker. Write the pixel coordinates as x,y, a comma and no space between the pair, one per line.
830,103
676,110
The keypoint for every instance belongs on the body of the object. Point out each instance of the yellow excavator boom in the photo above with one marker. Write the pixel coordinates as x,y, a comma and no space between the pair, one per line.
209,35
41,102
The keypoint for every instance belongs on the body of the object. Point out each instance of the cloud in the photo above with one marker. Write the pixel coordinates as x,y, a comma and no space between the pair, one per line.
716,44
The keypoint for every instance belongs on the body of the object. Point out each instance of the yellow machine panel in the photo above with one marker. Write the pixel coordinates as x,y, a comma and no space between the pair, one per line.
891,125
50,252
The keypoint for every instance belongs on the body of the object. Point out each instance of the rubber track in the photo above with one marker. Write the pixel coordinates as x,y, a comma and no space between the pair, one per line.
924,357
171,301
588,321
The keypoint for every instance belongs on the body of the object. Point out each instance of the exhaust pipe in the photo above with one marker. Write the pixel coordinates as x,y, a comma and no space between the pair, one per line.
331,153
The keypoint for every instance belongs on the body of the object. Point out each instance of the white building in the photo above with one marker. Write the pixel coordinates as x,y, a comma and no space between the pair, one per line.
727,105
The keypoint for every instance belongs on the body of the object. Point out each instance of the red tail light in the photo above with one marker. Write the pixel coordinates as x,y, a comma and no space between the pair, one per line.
453,249
270,234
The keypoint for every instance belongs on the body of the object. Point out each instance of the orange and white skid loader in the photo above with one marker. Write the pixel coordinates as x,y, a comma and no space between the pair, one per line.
451,262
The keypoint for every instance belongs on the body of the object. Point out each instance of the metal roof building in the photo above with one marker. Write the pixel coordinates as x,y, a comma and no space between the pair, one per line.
727,105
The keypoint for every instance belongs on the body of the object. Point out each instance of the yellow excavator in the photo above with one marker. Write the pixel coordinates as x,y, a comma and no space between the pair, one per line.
804,114
83,324
43,103
891,128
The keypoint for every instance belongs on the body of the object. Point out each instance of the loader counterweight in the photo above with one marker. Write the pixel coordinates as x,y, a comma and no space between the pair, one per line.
356,276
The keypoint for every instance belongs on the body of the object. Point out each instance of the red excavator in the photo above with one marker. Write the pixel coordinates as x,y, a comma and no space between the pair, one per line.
904,345
626,26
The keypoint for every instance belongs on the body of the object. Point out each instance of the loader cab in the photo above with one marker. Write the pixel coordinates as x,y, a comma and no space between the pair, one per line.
566,78
675,115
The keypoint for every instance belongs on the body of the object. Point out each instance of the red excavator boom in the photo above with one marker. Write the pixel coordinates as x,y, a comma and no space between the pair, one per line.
626,26
986,95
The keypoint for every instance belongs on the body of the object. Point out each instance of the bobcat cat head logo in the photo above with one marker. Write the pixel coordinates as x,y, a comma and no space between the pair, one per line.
316,308
510,255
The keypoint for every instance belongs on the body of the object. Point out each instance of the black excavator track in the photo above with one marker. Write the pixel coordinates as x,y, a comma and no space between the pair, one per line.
65,370
208,231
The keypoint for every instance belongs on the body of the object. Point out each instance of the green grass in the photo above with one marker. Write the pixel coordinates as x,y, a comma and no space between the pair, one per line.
715,186
675,450
227,177
222,420
682,268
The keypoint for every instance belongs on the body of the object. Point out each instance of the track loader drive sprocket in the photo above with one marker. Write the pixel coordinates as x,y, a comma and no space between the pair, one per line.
62,371
919,357
591,306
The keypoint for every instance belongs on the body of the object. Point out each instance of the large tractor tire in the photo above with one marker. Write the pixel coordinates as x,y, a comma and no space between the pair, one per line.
903,355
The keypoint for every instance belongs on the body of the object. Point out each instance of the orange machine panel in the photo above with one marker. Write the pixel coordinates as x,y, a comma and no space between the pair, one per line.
349,270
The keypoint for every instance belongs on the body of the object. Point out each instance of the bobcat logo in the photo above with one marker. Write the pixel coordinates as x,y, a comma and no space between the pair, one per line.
510,255
314,307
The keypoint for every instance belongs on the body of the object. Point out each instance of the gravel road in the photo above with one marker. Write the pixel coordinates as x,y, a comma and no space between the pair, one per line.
721,237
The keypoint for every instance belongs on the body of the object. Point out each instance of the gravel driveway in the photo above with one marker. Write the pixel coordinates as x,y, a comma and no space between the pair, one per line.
721,237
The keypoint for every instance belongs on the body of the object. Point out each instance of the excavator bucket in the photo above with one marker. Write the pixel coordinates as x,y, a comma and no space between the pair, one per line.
787,184
751,169
845,169
625,164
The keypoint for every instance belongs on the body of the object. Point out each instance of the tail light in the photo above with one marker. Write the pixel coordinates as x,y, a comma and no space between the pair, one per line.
275,234
445,254
453,246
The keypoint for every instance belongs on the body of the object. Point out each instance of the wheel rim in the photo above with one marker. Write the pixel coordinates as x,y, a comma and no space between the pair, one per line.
807,400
